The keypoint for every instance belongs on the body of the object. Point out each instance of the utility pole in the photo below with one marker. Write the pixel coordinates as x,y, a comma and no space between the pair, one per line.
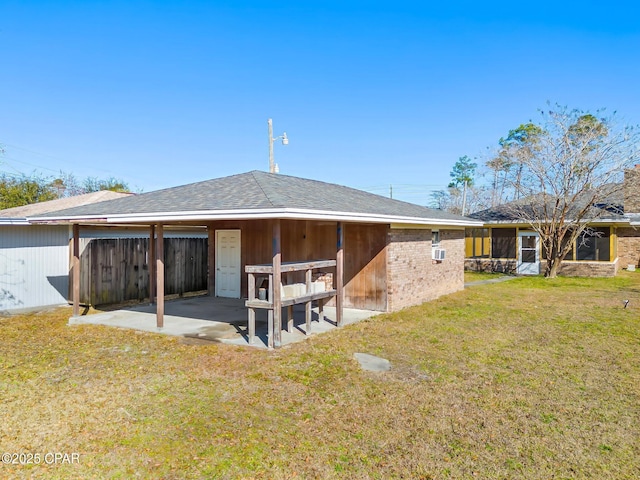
390,191
464,197
285,141
272,166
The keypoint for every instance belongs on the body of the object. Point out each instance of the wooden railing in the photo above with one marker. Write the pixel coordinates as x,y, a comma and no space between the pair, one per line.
271,303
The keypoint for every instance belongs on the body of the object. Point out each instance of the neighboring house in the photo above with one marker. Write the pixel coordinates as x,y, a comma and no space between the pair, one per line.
506,244
388,254
34,259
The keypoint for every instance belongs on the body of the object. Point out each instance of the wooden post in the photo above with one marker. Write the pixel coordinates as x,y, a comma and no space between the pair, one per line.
152,264
270,315
160,277
76,270
277,279
307,305
320,310
251,313
290,319
211,260
339,273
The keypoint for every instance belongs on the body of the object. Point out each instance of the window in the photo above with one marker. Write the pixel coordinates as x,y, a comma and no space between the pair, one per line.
477,242
437,253
569,256
503,243
593,244
435,238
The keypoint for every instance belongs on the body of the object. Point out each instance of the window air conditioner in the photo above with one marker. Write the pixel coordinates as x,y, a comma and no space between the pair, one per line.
438,254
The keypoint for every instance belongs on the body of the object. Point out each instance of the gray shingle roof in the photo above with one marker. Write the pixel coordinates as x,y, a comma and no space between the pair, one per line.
610,207
258,190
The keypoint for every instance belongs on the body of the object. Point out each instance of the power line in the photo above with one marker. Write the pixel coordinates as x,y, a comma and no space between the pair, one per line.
4,157
33,151
60,159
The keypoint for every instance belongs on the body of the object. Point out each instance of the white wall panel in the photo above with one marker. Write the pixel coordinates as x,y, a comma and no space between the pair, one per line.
34,266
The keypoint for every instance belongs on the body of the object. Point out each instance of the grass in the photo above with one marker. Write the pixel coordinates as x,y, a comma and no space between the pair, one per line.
530,378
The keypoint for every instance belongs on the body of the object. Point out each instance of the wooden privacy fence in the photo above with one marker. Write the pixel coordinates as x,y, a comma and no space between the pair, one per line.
117,270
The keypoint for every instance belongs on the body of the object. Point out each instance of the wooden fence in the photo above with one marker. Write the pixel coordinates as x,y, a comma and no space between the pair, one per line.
117,270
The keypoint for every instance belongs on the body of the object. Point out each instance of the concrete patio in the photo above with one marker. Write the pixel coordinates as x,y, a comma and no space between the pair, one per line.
217,319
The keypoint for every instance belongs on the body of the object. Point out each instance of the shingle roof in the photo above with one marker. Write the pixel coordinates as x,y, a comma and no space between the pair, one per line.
60,204
610,208
258,190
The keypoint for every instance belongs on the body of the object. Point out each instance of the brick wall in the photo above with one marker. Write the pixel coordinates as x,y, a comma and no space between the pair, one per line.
491,265
628,246
588,269
412,276
567,268
632,190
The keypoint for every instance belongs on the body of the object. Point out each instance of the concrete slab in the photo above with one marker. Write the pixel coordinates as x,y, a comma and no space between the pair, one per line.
221,320
372,363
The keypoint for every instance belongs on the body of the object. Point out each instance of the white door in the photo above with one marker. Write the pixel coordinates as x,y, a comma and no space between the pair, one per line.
528,253
228,263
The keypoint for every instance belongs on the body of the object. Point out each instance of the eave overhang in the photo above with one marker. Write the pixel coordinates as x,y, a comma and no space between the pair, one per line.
252,214
13,221
599,221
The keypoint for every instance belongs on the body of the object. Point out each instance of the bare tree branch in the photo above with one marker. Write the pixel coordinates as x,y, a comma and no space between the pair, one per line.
564,174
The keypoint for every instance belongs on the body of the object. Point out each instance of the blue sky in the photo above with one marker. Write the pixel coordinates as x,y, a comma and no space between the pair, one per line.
371,94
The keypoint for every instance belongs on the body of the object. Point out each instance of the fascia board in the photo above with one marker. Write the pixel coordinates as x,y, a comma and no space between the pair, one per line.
516,223
13,221
249,214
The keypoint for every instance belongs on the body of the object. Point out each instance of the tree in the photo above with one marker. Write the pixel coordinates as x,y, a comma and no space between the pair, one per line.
563,174
462,174
23,190
94,184
451,199
16,191
439,200
67,185
521,141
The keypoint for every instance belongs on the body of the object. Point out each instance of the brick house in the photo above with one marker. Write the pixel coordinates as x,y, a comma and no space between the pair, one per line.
381,254
506,244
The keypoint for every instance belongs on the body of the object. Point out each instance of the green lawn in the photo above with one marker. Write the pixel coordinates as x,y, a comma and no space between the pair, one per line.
530,378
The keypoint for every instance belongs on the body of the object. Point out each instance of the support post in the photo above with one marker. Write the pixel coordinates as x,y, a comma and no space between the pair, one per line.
277,280
307,305
320,310
211,260
290,319
152,264
76,270
270,315
251,313
339,273
160,277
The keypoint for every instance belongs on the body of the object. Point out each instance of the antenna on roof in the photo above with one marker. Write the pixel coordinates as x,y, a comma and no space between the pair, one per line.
273,167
